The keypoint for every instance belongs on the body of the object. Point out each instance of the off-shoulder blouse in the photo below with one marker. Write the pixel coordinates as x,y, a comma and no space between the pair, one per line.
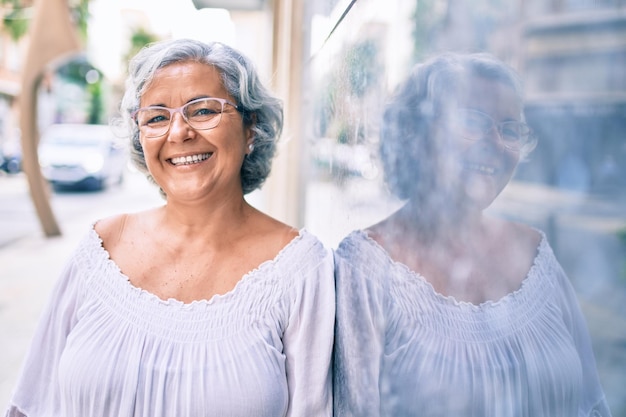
107,348
402,349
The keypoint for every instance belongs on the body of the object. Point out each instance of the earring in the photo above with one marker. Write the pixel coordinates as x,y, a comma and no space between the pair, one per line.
251,147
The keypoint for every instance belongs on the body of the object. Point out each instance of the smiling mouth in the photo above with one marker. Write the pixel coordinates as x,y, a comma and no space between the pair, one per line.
483,169
190,159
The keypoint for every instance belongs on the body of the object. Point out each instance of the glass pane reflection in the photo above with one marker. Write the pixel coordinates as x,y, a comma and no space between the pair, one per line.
572,186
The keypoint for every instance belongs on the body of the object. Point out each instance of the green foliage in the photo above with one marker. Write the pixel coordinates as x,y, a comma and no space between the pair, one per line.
426,22
361,67
96,104
15,21
355,75
140,38
79,10
324,106
76,69
79,71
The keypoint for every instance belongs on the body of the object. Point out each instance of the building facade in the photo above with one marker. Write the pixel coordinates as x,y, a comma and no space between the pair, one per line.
573,58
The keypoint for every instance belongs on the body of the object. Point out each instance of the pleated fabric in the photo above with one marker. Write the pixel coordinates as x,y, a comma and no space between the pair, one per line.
107,348
402,349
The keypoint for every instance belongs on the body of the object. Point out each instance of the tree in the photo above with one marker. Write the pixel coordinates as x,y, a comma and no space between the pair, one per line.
15,19
18,13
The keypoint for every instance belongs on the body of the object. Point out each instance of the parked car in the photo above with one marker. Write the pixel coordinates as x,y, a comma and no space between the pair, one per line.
344,161
81,156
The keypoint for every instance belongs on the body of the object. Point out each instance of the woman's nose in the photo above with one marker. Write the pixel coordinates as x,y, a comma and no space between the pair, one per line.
493,135
179,128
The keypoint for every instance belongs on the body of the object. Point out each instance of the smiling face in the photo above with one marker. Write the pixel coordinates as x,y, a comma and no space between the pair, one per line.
482,168
192,164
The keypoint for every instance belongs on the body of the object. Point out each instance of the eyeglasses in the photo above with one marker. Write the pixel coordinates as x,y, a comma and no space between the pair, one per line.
474,125
200,114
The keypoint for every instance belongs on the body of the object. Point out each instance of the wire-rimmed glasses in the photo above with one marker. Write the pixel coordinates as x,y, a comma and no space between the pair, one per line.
475,125
200,114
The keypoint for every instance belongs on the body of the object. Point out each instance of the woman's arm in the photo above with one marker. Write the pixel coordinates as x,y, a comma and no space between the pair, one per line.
359,341
592,401
308,338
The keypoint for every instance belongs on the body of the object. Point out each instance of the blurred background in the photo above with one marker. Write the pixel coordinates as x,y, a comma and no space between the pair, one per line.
332,62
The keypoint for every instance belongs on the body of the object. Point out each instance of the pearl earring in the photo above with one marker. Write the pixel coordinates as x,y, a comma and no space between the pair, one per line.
251,147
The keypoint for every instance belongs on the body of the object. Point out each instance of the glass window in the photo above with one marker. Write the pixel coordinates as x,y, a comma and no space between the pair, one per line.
571,186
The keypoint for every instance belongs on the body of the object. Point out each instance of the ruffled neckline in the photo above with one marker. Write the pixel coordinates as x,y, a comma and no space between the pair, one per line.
531,279
256,273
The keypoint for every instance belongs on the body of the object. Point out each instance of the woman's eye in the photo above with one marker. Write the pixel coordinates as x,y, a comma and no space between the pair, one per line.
510,134
151,117
156,119
204,111
475,124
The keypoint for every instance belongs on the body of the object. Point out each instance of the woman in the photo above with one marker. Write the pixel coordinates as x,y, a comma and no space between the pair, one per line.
204,306
443,310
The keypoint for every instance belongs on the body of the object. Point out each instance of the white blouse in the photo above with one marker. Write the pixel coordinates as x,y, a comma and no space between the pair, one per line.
107,348
403,349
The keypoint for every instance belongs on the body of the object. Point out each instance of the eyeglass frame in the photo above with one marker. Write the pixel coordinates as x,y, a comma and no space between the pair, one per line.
179,109
528,140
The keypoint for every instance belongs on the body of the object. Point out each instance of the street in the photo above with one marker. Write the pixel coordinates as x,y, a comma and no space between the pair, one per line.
71,208
581,230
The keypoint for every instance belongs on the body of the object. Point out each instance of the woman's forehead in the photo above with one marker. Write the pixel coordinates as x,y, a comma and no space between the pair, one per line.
189,79
482,92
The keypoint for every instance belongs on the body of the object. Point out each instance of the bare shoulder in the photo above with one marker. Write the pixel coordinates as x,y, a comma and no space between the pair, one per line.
525,235
270,233
517,242
388,229
279,231
111,229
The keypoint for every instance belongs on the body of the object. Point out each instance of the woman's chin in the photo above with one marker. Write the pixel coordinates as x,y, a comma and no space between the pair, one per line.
480,193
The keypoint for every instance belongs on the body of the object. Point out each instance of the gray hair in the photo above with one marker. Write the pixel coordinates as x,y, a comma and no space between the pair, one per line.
260,108
409,152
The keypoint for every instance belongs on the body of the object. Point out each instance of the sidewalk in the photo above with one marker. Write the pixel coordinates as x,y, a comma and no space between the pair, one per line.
17,214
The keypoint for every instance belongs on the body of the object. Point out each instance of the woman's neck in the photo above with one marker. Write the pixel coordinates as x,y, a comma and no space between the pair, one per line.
439,222
194,219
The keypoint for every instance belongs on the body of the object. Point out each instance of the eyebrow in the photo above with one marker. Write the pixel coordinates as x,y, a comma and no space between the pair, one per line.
188,101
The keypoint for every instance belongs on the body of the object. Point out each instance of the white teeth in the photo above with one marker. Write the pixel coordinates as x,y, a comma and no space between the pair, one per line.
484,169
191,159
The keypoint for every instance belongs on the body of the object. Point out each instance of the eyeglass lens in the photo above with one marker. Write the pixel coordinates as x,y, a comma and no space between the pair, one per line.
200,114
474,125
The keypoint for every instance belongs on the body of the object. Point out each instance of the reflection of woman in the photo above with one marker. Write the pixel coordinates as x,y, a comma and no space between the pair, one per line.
204,306
443,310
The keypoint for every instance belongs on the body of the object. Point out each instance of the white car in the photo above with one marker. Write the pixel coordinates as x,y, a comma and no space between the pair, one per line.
81,156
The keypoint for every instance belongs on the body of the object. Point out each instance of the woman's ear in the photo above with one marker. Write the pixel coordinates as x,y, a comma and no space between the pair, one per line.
250,124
